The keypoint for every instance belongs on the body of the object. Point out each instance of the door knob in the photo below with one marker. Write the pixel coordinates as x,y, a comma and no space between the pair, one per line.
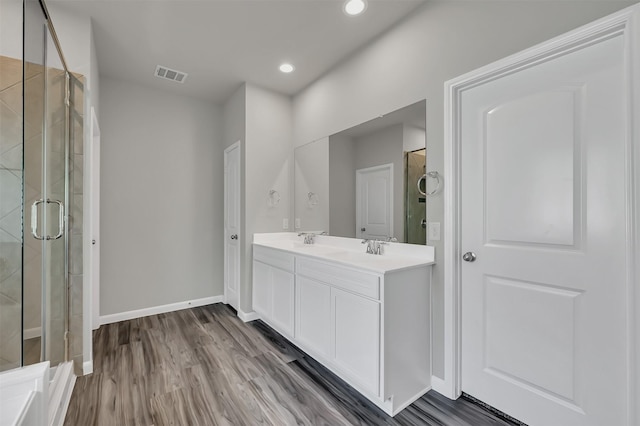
234,237
363,229
93,242
469,256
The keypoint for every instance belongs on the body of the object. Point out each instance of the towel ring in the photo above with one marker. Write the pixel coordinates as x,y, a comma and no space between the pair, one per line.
274,198
433,175
313,199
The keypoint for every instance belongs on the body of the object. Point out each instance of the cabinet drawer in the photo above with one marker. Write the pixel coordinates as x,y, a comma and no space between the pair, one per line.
358,282
277,258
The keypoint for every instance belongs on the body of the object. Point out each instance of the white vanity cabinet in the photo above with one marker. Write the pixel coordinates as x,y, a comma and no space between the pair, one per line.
273,288
369,324
344,325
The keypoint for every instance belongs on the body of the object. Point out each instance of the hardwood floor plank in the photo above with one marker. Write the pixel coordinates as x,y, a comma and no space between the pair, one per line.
204,366
344,398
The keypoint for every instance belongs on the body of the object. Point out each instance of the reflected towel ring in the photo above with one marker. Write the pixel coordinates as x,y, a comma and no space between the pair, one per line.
274,197
433,175
313,199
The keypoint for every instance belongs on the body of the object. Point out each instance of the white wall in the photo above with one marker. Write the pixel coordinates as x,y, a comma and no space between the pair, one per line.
412,61
11,28
414,138
312,175
161,198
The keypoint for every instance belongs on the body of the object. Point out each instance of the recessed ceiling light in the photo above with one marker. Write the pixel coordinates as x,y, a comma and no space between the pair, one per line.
355,7
287,68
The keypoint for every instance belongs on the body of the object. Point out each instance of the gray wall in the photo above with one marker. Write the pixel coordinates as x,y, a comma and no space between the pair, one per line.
342,186
268,165
438,42
161,198
312,175
262,121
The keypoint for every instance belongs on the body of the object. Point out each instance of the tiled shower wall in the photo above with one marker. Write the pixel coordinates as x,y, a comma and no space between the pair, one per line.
11,212
16,266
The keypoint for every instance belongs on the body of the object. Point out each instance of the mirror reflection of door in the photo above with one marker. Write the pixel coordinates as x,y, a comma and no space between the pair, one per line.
374,202
415,222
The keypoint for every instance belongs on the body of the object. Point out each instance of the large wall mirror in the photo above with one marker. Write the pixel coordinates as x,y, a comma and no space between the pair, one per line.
365,182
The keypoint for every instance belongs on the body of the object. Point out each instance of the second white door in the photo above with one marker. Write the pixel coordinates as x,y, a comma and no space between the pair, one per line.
232,225
374,202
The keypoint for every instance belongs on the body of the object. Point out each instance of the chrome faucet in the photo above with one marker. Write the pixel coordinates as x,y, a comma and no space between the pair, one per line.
374,246
309,237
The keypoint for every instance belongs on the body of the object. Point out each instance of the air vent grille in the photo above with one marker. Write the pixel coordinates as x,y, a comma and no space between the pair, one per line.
169,74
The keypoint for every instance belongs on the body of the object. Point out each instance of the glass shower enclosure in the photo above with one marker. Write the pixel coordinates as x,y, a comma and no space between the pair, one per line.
36,159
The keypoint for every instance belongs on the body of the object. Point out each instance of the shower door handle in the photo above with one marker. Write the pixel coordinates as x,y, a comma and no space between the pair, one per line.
34,220
60,219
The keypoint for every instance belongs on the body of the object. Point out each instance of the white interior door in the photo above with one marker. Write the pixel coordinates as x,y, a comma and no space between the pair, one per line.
374,202
544,319
232,225
93,177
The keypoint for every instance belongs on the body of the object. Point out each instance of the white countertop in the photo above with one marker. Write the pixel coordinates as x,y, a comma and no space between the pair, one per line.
350,251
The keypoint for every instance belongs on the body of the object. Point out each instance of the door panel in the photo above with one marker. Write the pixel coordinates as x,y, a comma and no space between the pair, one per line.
261,284
356,336
543,209
232,225
313,314
282,299
521,136
374,202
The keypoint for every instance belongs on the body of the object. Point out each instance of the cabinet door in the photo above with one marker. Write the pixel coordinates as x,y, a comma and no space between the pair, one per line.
282,300
261,284
356,338
313,313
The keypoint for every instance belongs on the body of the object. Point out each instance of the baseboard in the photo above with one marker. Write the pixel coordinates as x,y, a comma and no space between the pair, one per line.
60,393
31,333
248,316
87,367
139,313
440,386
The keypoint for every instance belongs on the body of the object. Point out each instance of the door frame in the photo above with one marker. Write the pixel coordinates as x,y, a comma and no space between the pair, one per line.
625,23
359,173
230,148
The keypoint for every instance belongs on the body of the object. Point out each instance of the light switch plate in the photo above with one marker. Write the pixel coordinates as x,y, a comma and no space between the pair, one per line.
285,223
434,231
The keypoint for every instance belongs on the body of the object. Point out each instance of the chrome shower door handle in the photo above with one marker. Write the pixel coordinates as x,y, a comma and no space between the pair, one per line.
34,219
60,219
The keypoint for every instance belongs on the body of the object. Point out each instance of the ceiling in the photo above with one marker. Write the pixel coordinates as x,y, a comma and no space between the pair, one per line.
223,43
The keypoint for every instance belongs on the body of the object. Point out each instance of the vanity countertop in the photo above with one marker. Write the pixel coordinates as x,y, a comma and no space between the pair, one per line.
350,251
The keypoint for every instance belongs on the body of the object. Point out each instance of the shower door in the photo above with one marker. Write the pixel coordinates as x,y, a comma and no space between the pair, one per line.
45,194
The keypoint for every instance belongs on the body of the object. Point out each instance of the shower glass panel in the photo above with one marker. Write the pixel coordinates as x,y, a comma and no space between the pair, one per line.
45,183
53,202
34,189
11,201
415,202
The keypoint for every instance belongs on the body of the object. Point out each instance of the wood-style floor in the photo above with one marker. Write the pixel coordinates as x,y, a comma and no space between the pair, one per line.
204,366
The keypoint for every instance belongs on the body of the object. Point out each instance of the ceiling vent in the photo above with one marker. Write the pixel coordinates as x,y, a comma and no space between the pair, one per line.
169,74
